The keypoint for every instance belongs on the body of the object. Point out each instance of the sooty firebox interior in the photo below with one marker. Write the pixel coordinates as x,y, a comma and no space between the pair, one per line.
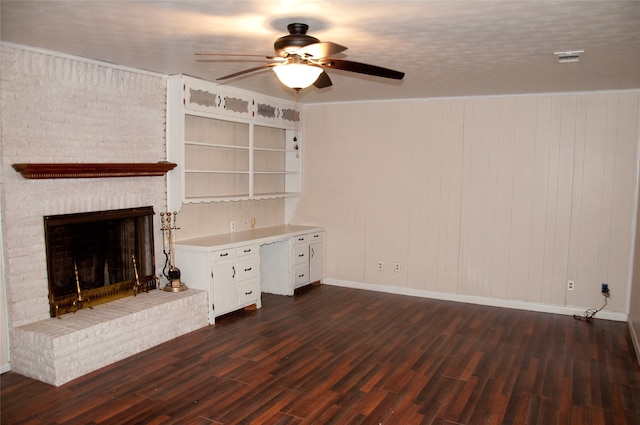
96,257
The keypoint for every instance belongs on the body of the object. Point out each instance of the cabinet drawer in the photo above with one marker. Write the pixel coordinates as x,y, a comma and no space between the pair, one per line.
247,250
248,268
301,254
248,292
313,237
222,255
301,239
301,275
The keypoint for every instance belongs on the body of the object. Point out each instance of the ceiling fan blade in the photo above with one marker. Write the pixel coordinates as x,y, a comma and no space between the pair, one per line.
239,55
321,50
247,71
323,81
362,68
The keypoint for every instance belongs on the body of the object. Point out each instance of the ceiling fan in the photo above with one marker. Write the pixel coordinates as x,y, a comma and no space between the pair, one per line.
301,61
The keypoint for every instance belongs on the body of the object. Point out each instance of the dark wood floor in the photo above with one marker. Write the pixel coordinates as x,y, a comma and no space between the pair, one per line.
332,355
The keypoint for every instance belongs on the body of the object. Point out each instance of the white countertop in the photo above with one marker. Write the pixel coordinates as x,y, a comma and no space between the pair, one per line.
254,236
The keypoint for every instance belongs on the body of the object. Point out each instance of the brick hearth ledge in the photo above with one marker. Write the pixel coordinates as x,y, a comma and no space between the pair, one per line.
57,351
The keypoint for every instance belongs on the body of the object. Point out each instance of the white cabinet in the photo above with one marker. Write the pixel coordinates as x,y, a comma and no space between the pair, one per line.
229,144
235,268
308,258
230,276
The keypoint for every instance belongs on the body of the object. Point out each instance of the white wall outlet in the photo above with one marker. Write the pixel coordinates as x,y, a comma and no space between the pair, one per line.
232,226
570,285
380,266
396,267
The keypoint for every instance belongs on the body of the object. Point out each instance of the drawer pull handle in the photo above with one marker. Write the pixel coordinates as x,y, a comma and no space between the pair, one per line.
234,271
248,293
301,275
316,236
247,250
224,254
300,239
300,255
247,270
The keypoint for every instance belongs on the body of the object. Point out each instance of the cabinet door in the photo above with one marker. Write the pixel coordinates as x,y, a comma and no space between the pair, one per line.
225,288
316,261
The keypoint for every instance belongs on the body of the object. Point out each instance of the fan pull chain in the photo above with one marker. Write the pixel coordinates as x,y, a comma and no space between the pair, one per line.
296,124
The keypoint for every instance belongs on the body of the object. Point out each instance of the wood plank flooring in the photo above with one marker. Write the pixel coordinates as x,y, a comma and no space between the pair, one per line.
334,355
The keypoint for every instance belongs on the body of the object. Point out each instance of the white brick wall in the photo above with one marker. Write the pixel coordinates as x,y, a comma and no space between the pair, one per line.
62,110
57,109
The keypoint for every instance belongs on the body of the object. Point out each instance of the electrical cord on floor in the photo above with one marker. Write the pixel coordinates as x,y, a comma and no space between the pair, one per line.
590,313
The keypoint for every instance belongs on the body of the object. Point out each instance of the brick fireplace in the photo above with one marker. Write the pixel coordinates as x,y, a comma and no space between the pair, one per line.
63,110
91,265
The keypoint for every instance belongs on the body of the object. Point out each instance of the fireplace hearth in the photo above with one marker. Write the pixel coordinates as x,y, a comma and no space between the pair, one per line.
97,257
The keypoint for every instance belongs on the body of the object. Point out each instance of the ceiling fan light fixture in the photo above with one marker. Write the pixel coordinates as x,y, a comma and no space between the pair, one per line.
296,75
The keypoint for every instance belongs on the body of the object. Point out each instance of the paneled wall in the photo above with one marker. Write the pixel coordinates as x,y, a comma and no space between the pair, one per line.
498,197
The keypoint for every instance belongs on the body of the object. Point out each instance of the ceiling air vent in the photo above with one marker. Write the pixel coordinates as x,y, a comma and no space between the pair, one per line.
568,57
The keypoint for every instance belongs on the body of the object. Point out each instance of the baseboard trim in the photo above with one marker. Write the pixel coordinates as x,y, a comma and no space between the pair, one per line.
493,302
634,339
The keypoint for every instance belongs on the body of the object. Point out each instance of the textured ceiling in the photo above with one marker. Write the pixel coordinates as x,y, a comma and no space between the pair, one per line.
446,48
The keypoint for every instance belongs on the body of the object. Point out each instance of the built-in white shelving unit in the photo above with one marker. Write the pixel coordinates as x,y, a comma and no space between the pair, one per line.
229,144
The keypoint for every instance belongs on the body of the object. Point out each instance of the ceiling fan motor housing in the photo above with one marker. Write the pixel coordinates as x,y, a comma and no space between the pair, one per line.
296,39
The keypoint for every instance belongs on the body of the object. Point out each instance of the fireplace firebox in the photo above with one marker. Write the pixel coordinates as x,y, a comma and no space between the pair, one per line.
96,257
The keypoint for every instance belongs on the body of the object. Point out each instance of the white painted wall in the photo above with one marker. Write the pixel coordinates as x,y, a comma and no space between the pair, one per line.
500,198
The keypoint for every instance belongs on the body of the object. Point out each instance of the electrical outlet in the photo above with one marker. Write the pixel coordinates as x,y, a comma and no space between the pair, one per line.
233,226
396,267
380,266
570,285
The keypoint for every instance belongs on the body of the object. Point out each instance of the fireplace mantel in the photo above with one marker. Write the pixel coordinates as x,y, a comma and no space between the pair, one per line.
92,170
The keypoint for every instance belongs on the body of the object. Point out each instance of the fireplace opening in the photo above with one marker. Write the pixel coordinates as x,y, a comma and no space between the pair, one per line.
96,257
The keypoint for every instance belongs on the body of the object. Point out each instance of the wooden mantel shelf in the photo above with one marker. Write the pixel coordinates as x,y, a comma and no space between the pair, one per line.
92,170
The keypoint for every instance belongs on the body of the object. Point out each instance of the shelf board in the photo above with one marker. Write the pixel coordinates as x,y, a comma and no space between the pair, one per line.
215,145
266,195
216,171
242,197
92,170
275,150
